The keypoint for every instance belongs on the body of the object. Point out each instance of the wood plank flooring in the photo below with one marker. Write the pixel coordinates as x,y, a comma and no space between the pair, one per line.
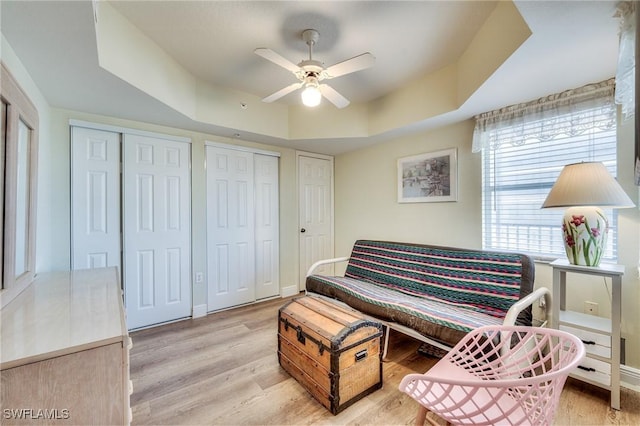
223,370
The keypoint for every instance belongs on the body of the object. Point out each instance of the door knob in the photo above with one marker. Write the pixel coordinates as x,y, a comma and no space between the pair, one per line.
303,230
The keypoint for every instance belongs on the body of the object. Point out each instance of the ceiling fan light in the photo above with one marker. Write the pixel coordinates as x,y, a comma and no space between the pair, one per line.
311,96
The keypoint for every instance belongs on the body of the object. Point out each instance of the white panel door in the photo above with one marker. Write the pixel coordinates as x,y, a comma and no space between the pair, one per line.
95,199
315,185
157,230
230,228
267,226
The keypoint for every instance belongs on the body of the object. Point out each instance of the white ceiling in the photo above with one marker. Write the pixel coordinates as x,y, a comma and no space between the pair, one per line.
215,40
573,43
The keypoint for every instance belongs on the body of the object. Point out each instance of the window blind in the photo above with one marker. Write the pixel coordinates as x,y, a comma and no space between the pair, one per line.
517,176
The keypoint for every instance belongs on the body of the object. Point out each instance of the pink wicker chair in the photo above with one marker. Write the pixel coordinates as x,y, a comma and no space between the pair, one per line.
484,380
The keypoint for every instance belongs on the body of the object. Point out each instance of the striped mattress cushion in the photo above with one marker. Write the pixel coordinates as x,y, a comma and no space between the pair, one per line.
484,282
426,315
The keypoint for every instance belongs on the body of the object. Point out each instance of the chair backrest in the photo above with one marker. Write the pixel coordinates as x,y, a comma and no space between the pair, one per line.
484,281
499,375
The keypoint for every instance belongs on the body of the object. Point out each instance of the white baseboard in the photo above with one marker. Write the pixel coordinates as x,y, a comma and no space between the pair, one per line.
291,290
630,377
199,311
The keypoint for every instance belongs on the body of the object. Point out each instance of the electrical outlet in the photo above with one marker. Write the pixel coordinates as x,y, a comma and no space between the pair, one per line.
199,277
590,308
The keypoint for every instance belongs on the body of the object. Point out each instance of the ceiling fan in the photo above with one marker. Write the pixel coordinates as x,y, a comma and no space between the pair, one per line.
311,72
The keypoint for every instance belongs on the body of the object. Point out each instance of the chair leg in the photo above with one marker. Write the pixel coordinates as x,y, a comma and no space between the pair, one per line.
422,415
434,423
386,343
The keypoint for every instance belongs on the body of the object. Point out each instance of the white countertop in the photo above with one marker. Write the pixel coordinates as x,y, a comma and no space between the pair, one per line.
62,313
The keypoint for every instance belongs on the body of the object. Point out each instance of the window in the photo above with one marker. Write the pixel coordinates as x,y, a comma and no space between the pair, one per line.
18,154
524,148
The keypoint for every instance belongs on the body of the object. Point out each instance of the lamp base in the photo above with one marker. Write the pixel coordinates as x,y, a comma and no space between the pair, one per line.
585,232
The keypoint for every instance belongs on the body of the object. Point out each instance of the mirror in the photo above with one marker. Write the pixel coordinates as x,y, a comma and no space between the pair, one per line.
22,199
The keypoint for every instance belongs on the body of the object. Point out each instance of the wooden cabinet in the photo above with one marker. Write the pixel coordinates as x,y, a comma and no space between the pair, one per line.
65,351
601,336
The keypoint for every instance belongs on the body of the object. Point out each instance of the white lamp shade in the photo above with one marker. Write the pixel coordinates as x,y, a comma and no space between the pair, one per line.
584,188
587,184
311,96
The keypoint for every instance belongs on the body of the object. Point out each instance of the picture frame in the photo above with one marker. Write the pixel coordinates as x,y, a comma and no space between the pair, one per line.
428,178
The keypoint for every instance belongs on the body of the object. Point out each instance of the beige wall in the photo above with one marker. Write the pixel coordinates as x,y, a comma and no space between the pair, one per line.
365,199
366,207
366,194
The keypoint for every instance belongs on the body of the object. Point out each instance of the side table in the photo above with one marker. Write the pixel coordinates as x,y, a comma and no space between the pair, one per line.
601,336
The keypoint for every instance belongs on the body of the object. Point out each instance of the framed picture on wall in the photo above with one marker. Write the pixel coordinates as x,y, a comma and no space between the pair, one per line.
428,178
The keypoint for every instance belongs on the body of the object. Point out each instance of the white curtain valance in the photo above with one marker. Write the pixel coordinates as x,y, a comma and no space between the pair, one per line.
625,73
570,113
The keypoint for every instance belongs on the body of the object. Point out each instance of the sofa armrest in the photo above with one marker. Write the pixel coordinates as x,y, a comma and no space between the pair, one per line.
529,300
326,262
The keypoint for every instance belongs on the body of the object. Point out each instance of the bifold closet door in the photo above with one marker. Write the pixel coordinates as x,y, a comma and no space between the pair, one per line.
242,227
157,230
267,226
95,198
230,228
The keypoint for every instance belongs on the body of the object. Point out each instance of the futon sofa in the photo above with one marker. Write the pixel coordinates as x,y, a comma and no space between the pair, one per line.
436,294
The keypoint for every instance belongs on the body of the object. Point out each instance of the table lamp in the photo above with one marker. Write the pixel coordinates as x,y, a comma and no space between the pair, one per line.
584,188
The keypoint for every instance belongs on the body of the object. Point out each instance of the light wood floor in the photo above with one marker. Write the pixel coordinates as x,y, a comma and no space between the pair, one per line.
223,370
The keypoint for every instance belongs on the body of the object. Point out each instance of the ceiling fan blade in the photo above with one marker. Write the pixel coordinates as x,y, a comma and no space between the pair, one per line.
334,97
354,64
277,59
282,92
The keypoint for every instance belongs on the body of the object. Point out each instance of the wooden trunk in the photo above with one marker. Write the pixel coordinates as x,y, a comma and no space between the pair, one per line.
331,350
